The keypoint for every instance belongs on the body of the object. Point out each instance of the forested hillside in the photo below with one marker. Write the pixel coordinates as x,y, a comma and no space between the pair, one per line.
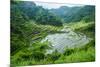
48,36
75,14
36,13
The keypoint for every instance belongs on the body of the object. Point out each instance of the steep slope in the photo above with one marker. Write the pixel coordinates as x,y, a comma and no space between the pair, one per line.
36,13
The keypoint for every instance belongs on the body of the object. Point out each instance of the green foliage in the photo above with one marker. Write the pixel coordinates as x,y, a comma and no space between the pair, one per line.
54,56
87,28
83,54
35,55
68,51
36,52
31,23
36,13
75,14
24,32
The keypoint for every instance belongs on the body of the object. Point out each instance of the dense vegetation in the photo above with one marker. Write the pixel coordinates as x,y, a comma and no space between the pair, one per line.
75,14
31,23
36,13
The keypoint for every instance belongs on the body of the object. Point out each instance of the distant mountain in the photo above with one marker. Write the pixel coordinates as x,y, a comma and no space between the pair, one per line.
75,14
30,11
60,11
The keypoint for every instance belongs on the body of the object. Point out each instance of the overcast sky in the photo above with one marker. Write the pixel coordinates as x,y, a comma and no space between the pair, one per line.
54,5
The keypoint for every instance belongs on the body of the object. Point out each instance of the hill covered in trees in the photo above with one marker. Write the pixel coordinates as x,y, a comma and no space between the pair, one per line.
31,24
75,14
30,11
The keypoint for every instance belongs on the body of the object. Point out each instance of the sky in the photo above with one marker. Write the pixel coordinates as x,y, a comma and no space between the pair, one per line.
54,5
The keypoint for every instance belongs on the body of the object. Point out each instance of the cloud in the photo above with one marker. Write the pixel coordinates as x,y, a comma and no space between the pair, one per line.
50,5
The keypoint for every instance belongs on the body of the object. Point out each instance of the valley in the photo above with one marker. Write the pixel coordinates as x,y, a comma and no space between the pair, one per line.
51,36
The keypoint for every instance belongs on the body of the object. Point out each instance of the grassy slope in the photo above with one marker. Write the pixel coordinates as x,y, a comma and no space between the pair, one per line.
85,53
43,30
83,27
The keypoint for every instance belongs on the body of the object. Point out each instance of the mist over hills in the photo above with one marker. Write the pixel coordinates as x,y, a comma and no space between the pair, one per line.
63,14
75,14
